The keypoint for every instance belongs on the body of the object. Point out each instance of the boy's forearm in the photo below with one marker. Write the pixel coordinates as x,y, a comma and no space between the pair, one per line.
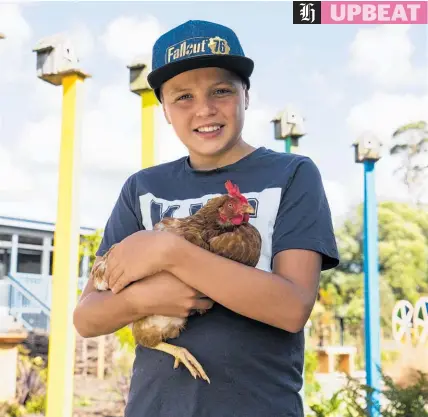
262,296
103,312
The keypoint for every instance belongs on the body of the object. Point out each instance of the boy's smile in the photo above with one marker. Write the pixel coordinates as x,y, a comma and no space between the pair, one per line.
206,108
209,131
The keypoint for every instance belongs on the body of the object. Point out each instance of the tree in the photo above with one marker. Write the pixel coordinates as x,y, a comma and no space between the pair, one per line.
89,245
411,142
403,269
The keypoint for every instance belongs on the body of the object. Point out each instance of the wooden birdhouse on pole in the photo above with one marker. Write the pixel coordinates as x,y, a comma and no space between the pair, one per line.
138,84
288,126
367,148
56,57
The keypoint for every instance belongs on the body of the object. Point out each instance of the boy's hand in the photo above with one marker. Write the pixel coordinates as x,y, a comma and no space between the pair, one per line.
140,255
164,294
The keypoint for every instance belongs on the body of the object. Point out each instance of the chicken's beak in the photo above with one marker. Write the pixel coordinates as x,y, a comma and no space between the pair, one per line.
248,208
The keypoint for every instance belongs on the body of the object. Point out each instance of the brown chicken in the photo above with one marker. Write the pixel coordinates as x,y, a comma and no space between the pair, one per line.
222,227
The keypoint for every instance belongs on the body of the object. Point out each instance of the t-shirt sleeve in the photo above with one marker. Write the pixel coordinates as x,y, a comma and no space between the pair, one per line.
304,218
124,219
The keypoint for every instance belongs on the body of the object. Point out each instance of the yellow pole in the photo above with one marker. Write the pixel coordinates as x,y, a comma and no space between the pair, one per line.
65,260
149,101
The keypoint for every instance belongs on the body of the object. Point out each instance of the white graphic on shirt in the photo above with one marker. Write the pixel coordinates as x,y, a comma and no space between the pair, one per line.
265,202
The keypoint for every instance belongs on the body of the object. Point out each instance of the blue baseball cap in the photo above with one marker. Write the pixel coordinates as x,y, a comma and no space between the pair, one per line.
197,44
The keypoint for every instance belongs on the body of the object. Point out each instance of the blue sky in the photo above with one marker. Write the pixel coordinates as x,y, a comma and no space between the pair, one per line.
345,79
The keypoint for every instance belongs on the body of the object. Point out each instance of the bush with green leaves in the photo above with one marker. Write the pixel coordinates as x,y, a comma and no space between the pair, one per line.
396,399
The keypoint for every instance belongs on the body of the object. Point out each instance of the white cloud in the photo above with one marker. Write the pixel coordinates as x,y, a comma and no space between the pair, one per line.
111,131
14,26
338,199
323,87
15,180
40,141
258,129
383,113
82,39
167,145
128,37
384,54
14,50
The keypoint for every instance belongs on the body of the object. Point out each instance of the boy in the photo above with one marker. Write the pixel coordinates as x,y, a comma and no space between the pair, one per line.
251,341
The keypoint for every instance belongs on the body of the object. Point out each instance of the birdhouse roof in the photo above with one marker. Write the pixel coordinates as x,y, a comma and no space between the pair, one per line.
278,116
50,42
140,62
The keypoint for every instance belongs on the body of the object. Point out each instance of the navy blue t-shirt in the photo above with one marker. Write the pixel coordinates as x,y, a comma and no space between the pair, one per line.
255,369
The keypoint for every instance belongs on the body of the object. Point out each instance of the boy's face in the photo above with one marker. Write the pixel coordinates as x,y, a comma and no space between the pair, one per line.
206,108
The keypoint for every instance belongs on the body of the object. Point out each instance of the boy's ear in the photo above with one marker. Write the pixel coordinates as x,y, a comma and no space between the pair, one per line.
247,99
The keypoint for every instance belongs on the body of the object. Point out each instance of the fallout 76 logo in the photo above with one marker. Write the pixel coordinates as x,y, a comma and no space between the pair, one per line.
306,12
218,46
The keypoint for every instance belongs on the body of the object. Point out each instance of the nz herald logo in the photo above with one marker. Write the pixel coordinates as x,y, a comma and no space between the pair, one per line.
197,46
308,12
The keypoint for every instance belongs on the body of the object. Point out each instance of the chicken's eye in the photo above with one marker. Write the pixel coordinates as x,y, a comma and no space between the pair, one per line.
230,205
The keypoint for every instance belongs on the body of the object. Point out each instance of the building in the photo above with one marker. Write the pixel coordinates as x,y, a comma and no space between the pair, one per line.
26,259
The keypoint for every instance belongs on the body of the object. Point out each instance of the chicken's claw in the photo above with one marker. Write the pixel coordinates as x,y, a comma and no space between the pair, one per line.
182,355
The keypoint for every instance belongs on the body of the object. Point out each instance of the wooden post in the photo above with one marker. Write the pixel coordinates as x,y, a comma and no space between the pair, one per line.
101,357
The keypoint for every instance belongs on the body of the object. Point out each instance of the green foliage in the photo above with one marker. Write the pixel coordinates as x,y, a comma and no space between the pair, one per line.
312,386
82,402
403,251
126,339
36,404
396,400
329,408
31,387
409,400
12,410
89,245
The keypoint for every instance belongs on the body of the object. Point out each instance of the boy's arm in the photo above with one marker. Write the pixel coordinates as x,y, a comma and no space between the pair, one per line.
283,299
303,245
102,312
98,312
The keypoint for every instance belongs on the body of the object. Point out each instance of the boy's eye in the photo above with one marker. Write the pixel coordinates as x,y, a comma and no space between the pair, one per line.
183,97
223,91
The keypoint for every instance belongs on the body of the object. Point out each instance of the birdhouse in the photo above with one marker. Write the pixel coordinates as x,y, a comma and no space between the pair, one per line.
367,148
138,71
56,56
289,124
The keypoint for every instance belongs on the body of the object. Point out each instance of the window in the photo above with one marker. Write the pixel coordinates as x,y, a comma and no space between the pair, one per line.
30,240
29,261
6,237
4,262
51,255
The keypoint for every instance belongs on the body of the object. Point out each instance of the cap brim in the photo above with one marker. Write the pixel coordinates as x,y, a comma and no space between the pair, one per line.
242,66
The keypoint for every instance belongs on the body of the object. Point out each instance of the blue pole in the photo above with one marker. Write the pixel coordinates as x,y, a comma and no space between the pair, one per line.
288,145
371,287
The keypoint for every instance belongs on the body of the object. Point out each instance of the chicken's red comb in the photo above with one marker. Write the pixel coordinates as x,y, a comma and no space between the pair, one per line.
233,190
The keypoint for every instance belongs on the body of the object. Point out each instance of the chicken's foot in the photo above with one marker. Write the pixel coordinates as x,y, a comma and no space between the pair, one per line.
185,357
